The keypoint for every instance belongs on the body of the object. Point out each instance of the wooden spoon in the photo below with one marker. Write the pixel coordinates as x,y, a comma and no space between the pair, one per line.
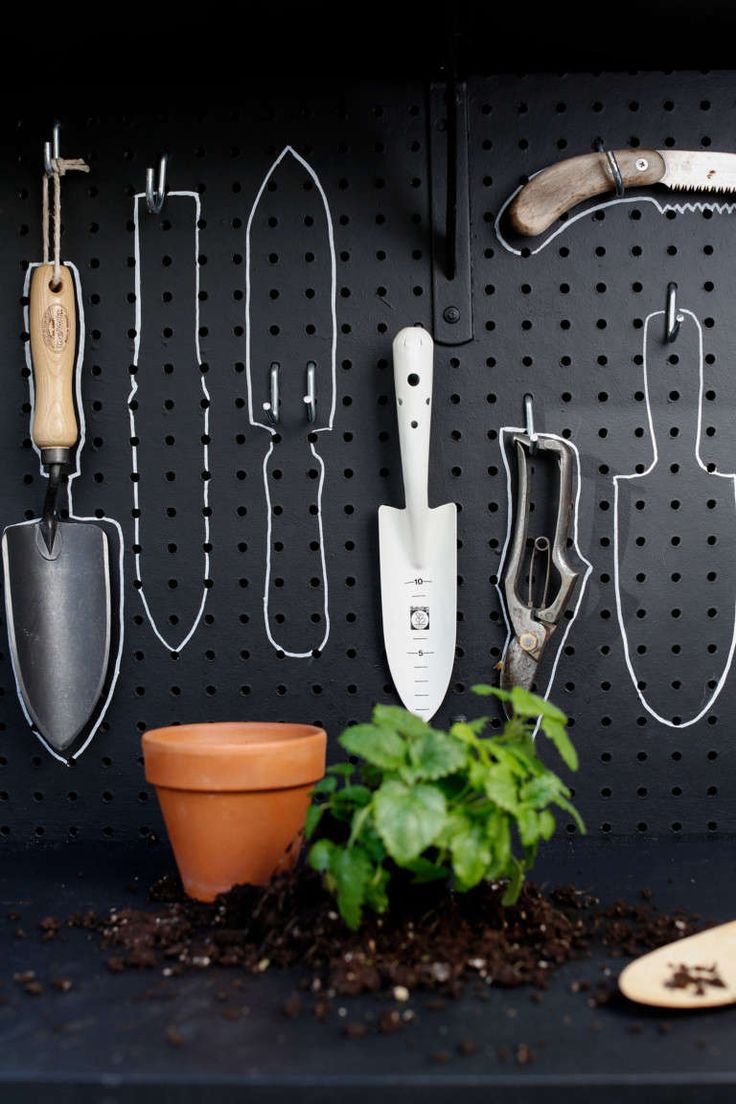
697,972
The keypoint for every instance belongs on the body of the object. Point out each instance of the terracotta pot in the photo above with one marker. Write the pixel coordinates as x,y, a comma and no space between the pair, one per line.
234,798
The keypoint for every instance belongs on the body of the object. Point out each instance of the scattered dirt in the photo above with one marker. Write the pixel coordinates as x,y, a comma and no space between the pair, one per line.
699,979
433,940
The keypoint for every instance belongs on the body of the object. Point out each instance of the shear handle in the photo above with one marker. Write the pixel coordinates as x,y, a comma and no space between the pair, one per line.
519,612
523,616
552,614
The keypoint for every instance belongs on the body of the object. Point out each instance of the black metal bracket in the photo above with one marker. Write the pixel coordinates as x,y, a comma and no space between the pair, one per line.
452,287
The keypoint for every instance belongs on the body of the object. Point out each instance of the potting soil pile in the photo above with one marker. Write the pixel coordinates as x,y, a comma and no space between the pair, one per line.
431,940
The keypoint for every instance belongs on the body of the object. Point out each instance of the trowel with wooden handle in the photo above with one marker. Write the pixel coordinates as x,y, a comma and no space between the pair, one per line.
558,188
59,573
418,546
696,972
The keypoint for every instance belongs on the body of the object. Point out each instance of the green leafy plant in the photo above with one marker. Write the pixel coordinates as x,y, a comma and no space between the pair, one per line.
459,805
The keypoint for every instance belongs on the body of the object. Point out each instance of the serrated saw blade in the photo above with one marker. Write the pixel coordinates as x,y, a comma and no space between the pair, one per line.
699,171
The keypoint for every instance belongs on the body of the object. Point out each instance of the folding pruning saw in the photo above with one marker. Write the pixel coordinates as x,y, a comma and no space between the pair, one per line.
558,188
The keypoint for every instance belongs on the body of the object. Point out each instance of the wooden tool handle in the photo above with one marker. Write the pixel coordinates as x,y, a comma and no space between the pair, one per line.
53,325
555,190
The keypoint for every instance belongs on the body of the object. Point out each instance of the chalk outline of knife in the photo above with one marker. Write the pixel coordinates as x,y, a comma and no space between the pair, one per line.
273,431
131,415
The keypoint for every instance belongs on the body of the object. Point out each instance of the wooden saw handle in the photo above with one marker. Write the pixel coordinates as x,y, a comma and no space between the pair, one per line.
53,325
560,187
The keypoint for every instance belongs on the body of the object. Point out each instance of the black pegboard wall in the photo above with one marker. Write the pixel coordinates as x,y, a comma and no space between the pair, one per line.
566,324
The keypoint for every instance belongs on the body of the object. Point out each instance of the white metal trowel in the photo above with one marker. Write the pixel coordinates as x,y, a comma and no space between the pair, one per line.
418,546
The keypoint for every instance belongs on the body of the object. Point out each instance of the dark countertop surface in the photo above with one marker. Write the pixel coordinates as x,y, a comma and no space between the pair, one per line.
142,1036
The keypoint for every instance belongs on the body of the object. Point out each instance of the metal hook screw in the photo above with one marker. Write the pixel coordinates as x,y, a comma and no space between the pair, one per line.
673,318
155,196
529,419
52,150
310,399
272,408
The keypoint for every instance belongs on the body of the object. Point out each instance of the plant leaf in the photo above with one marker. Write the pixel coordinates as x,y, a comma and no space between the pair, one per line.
516,881
400,720
527,822
352,869
325,785
471,855
570,808
376,889
377,745
557,733
526,756
371,842
314,815
526,704
342,769
320,854
500,786
539,791
408,818
546,824
355,795
469,731
506,755
435,754
426,871
498,831
359,818
485,691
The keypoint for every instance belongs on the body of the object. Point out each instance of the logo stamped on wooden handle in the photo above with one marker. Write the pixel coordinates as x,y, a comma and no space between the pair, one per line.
55,327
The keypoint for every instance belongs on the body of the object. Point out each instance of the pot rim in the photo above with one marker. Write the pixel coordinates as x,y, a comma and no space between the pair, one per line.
234,755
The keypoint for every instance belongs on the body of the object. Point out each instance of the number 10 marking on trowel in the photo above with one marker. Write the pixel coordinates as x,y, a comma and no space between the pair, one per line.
418,546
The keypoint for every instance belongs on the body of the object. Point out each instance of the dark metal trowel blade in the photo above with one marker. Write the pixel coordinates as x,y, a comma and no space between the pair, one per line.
58,611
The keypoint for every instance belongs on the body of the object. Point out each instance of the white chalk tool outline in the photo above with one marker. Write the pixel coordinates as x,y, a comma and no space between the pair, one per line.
503,433
638,475
679,208
137,518
81,333
288,150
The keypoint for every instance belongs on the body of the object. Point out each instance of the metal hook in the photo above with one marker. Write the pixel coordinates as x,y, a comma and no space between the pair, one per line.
673,318
272,408
529,419
155,196
52,150
613,166
310,399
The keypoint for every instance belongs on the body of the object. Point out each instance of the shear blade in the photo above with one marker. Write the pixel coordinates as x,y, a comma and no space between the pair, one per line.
519,668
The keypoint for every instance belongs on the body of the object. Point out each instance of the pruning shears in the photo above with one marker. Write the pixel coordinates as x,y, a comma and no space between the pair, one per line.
534,623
